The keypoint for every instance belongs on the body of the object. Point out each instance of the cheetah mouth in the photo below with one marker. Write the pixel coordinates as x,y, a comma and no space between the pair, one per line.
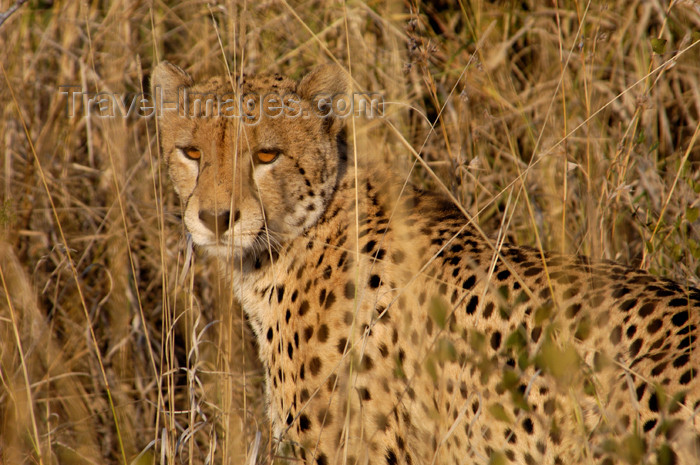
242,245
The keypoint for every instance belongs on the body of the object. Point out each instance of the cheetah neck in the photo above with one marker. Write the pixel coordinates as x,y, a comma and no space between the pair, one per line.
256,280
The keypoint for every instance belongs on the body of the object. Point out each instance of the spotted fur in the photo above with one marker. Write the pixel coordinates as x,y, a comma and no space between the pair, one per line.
393,332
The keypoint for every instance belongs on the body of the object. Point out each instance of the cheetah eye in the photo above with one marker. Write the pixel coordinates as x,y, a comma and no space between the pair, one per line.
266,156
192,153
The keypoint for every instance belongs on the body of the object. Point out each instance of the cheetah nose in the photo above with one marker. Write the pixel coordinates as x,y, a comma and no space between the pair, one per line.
218,223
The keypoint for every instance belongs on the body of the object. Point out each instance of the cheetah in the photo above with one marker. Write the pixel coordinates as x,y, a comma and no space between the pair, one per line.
390,329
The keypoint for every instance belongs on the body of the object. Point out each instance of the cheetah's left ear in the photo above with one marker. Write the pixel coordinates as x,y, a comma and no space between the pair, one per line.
325,86
325,79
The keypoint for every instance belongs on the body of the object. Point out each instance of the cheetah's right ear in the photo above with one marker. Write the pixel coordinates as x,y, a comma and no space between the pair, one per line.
166,81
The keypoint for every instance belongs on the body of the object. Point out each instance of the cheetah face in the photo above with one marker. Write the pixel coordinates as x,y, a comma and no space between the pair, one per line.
253,168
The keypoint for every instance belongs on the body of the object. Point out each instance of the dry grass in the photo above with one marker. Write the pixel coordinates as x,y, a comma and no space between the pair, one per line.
573,124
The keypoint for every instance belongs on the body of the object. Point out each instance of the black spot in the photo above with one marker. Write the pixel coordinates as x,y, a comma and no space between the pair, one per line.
280,293
369,247
659,342
304,423
654,325
640,391
382,313
549,406
315,365
302,372
631,330
308,332
647,309
686,377
287,315
680,318
686,341
663,292
290,350
350,290
555,435
321,459
679,302
681,361
391,457
303,307
654,403
496,340
397,257
658,369
321,296
364,394
571,292
620,292
471,306
269,334
616,335
322,334
469,282
342,342
628,304
330,300
374,281
529,427
573,310
535,270
295,294
348,317
343,257
290,419
536,333
488,309
649,425
503,275
635,346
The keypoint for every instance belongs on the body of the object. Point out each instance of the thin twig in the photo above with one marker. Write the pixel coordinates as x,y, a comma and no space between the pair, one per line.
12,9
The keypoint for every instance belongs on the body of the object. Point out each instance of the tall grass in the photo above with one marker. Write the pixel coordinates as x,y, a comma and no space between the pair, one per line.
572,125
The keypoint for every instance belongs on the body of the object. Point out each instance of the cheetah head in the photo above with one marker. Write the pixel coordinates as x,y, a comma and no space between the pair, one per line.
255,161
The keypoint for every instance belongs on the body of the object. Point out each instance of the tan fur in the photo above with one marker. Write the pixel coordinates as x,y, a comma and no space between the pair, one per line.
410,338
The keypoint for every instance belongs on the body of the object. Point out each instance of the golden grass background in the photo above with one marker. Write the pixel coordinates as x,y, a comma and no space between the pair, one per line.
570,125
